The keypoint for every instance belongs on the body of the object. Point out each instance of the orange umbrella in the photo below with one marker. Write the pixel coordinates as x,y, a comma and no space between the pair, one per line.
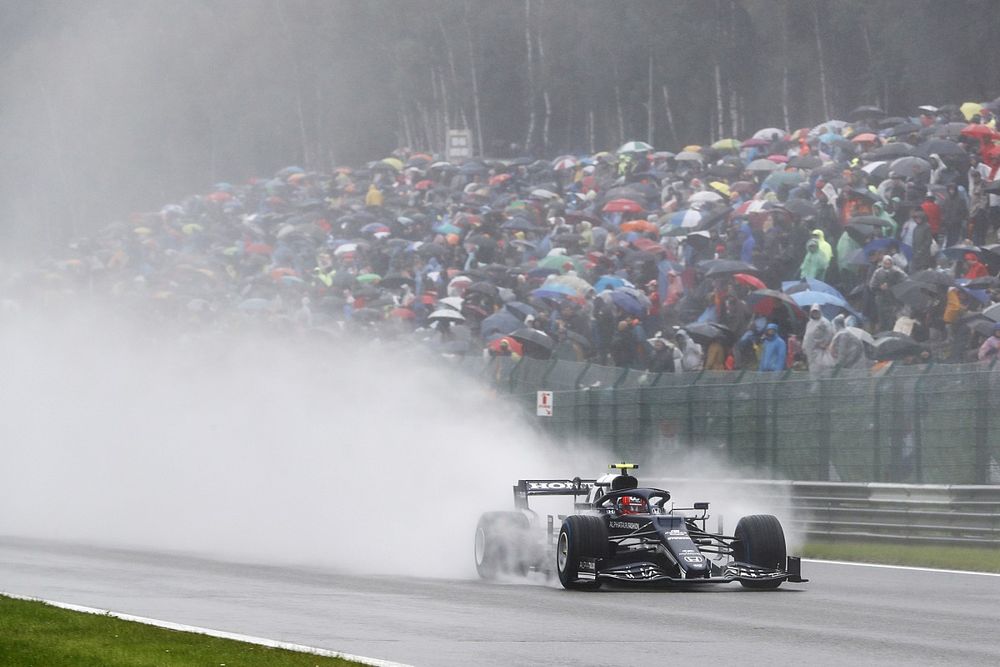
864,138
639,226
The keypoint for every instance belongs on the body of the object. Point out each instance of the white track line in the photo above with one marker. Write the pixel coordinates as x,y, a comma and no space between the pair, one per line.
259,641
902,567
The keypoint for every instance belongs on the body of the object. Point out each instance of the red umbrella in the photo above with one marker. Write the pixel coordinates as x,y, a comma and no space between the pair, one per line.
747,279
513,345
864,138
499,178
980,132
648,245
780,159
425,184
639,226
402,313
622,206
751,143
767,302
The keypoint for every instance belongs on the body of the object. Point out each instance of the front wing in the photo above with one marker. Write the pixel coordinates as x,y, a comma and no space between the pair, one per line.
650,572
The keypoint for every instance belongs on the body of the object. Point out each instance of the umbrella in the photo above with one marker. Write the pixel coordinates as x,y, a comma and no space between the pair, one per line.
705,333
879,171
627,302
634,147
501,322
801,208
498,344
942,147
970,109
933,277
726,145
868,225
778,179
453,302
980,132
542,193
891,345
805,162
864,138
564,163
884,244
865,112
980,295
446,314
978,323
521,310
639,226
724,267
751,281
685,218
763,165
647,245
915,294
812,284
520,225
705,196
957,252
622,206
985,282
767,302
609,282
902,129
533,338
808,298
559,263
909,167
769,134
689,156
896,149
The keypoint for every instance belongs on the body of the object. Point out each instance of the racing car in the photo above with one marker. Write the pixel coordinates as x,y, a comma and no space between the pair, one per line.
621,532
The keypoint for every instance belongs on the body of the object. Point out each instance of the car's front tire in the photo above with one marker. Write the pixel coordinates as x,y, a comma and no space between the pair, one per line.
581,536
760,542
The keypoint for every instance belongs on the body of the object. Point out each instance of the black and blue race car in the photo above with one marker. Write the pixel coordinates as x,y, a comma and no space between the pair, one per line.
622,532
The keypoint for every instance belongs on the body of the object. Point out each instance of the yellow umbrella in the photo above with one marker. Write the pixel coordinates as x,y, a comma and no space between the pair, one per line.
393,162
726,145
720,187
970,109
694,148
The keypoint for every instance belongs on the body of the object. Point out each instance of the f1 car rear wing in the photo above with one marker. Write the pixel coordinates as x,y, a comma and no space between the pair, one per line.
575,487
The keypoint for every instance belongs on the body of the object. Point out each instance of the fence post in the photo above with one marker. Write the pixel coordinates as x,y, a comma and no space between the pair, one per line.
545,374
730,399
919,403
877,425
982,455
690,407
614,406
577,394
773,412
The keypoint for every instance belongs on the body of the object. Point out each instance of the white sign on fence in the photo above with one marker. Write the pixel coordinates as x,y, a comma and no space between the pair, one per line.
459,145
544,408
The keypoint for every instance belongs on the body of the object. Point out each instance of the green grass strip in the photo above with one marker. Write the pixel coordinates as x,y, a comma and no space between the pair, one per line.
977,559
35,633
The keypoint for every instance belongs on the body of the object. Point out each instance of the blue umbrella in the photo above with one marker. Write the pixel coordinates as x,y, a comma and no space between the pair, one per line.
609,282
501,322
814,284
980,295
810,297
883,244
628,303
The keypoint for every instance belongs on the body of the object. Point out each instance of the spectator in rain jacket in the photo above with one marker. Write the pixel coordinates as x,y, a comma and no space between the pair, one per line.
817,339
991,346
774,351
814,263
846,349
881,284
691,354
824,246
923,235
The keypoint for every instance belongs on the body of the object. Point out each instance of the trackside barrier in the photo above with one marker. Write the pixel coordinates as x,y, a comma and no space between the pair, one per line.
935,423
940,514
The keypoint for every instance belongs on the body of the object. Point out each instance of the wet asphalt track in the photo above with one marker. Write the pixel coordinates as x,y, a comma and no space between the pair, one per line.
845,615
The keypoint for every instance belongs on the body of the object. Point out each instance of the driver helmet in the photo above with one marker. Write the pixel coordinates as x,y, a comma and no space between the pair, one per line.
632,505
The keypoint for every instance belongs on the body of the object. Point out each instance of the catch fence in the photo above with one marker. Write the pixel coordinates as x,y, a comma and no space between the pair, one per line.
920,424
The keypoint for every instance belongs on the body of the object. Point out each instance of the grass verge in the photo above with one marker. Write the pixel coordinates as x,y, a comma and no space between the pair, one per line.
978,559
35,633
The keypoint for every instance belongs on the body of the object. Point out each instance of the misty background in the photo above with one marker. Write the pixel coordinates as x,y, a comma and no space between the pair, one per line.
115,106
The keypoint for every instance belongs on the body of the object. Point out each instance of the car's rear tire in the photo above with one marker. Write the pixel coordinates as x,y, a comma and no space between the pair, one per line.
502,544
581,536
760,542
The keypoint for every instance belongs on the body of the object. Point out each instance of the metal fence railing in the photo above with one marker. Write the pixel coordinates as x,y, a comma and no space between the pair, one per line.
928,424
888,513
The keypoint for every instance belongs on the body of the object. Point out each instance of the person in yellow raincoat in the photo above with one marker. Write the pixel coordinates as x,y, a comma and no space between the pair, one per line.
373,198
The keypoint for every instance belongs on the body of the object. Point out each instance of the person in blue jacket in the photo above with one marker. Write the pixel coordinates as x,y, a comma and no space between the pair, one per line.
774,351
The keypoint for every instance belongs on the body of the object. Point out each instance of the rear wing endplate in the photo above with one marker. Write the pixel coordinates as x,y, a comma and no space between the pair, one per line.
575,487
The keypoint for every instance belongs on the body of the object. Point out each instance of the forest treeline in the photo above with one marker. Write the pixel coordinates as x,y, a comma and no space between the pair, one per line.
116,105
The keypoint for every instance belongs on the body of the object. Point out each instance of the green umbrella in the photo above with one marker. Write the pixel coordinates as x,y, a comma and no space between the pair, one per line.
366,278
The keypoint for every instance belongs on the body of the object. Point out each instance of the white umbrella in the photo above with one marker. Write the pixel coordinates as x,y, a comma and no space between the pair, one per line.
768,133
446,314
453,302
705,196
763,165
346,248
634,147
544,194
689,156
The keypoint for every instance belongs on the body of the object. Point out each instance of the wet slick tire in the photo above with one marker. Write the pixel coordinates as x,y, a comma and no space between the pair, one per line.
502,544
581,536
761,542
